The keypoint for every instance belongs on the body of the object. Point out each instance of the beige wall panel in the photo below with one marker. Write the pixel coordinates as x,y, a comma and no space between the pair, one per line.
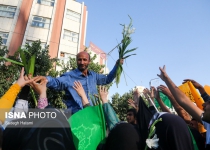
6,24
74,6
71,25
9,2
42,10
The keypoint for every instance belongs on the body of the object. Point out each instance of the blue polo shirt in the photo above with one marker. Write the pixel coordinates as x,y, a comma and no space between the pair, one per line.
66,82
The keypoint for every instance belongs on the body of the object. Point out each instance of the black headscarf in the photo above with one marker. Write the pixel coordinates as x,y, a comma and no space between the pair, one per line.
143,118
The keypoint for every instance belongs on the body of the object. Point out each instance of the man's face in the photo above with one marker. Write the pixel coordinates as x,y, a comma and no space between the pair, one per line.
83,61
206,114
130,118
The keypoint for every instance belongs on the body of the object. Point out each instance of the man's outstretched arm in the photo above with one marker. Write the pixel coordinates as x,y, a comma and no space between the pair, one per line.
106,79
53,83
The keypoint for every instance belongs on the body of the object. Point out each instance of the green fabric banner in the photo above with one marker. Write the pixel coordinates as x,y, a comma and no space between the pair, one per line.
165,100
88,127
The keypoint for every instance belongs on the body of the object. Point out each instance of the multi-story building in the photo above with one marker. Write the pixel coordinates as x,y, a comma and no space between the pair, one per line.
61,24
101,56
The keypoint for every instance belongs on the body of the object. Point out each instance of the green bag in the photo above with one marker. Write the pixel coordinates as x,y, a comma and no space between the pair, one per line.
165,100
88,128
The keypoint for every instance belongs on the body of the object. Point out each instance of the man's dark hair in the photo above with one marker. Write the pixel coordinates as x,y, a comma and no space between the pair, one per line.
133,111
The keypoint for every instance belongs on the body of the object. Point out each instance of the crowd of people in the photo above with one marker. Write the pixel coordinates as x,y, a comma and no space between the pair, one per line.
145,128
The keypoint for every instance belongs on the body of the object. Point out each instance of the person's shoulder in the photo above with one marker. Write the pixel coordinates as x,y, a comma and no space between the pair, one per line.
206,124
92,72
68,73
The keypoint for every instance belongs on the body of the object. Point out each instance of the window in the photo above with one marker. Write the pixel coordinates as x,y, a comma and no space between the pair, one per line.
71,36
65,57
40,22
73,15
46,2
7,11
4,36
43,44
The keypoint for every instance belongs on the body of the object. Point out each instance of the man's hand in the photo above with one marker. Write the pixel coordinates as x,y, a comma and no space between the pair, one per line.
41,79
163,75
103,94
120,61
165,90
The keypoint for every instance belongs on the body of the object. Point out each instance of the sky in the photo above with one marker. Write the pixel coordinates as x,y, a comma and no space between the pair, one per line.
174,33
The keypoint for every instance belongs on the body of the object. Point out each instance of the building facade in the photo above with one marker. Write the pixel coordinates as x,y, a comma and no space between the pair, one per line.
101,56
61,24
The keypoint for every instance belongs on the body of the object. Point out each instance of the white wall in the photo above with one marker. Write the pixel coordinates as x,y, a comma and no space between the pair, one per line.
42,10
10,2
71,25
36,33
8,24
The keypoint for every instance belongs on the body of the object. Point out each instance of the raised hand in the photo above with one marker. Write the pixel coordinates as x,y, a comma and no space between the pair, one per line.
132,103
195,84
147,93
136,95
157,94
165,90
78,87
153,92
41,79
21,81
163,75
40,89
103,94
81,92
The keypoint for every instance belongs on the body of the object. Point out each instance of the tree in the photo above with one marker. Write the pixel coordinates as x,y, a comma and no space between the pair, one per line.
120,104
8,74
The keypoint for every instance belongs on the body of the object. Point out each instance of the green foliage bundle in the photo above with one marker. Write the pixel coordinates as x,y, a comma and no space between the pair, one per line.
8,73
122,48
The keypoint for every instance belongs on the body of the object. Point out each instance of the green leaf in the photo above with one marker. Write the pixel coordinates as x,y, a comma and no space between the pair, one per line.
12,61
33,96
128,51
23,58
128,56
31,65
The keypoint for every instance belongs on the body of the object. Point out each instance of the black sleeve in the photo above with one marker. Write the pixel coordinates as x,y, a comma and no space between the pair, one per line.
205,97
152,109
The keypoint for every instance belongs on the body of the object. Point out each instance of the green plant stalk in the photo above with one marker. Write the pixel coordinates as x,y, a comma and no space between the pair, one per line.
33,96
12,61
118,73
124,77
152,130
92,99
122,50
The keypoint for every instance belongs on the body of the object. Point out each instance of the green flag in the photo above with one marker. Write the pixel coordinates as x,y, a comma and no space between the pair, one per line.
165,100
88,127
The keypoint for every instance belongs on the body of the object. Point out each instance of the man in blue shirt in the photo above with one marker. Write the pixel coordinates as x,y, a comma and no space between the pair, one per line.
88,79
